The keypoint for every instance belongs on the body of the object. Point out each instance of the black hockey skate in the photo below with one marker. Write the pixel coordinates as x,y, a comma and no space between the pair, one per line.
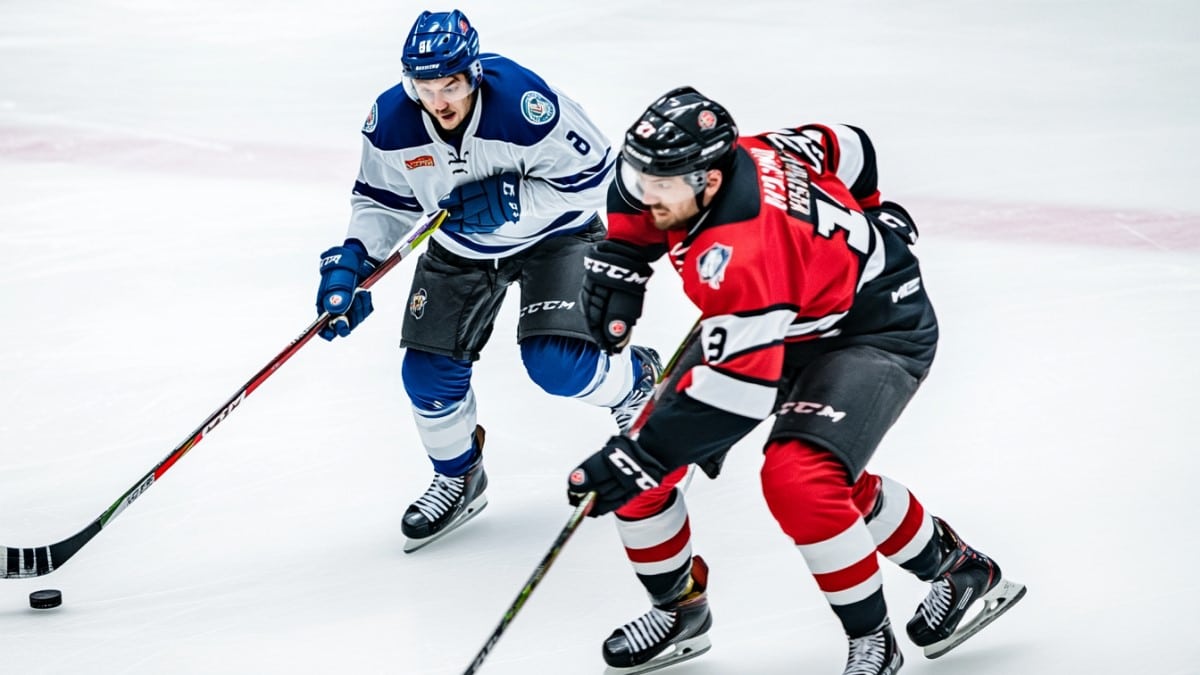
448,503
667,634
966,577
875,653
627,410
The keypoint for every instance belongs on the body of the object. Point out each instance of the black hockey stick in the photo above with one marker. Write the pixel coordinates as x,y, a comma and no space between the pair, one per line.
35,562
576,517
540,571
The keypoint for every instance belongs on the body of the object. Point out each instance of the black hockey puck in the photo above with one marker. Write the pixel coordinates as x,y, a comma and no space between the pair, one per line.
47,599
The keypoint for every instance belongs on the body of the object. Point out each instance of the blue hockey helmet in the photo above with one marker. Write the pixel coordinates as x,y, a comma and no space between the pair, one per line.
441,44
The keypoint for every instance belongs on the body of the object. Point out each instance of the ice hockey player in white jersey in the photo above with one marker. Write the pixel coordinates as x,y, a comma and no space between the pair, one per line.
521,171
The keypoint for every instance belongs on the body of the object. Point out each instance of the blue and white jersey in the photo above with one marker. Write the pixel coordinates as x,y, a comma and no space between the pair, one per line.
519,124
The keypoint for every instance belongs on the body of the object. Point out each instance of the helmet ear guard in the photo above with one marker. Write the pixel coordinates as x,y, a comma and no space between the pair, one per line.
441,44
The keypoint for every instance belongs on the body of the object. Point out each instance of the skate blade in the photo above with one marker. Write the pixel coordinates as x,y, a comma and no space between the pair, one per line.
679,652
995,602
468,513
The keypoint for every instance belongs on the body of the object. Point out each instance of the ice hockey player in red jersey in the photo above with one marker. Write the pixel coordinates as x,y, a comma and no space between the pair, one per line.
813,311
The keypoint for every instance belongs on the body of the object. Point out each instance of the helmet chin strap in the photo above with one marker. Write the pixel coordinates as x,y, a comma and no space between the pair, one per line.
697,220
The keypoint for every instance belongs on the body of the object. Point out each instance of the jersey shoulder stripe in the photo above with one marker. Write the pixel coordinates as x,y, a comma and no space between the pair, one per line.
519,107
587,179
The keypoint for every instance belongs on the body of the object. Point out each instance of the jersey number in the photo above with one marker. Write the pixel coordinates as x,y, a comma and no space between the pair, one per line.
832,216
714,344
581,146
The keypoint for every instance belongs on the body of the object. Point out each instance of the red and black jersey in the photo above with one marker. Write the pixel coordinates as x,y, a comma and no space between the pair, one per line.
795,255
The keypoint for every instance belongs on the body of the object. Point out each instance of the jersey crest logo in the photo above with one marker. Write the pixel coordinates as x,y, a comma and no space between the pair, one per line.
712,264
418,162
416,306
372,119
537,108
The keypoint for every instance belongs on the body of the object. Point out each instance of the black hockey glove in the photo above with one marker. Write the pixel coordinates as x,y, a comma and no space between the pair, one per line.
614,285
897,219
620,471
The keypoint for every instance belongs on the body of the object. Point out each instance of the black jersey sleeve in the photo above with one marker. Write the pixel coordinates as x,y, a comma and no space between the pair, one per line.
866,183
684,431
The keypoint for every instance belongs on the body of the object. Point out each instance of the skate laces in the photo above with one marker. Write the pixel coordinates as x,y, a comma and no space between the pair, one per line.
627,410
443,493
649,629
867,654
936,604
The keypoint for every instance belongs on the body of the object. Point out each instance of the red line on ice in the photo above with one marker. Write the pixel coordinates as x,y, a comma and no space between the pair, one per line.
1000,221
1058,224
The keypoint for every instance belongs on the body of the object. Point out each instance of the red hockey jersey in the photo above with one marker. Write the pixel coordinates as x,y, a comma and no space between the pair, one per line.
794,255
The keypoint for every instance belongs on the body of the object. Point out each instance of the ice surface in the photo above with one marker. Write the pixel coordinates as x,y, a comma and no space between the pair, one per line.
170,171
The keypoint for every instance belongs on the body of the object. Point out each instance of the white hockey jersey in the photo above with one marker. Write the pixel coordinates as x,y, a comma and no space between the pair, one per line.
519,124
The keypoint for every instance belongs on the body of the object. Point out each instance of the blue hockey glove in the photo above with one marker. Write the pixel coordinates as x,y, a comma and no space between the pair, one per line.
620,471
484,205
342,269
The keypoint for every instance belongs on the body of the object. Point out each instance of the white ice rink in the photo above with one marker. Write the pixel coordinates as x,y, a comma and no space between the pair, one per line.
170,171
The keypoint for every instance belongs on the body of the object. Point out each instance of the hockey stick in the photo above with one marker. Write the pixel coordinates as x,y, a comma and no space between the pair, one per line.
668,371
22,563
577,516
540,571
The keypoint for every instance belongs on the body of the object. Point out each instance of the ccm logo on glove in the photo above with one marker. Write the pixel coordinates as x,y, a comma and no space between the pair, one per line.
483,206
625,463
612,271
614,283
343,268
617,473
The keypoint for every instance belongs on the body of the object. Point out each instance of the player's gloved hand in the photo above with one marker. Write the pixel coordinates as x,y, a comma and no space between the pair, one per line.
896,218
620,471
614,285
342,269
484,205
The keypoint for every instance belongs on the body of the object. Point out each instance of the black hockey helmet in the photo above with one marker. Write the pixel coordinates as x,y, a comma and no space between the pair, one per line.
682,132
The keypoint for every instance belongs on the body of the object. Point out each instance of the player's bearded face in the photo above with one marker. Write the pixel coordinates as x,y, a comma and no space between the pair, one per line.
670,199
447,99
